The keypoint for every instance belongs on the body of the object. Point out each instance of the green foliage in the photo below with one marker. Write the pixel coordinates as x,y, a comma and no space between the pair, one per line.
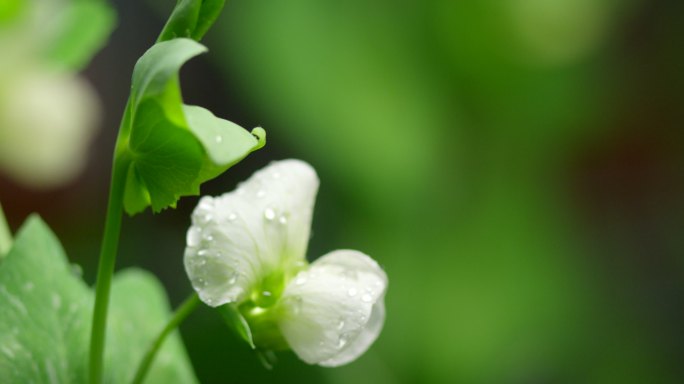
84,29
9,9
172,148
191,19
235,321
44,328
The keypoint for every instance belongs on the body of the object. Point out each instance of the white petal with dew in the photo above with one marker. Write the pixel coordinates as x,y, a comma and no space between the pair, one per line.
334,311
240,237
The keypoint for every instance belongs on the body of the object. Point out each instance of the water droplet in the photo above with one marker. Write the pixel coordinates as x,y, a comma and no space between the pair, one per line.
233,278
300,280
276,175
269,214
366,298
193,236
208,237
205,205
296,304
341,342
219,139
352,292
261,193
206,218
340,325
282,219
202,252
232,216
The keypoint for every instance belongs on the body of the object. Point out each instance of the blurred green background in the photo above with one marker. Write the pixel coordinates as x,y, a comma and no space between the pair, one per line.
515,165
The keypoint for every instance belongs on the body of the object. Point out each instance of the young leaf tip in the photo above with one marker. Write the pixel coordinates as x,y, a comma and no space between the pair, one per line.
260,134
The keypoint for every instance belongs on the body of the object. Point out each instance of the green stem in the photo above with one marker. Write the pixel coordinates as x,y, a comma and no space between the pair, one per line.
5,235
181,313
110,242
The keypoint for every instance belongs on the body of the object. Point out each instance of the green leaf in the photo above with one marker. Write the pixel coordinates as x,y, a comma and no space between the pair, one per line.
166,157
235,321
159,66
45,323
84,28
191,19
174,148
210,11
139,312
225,142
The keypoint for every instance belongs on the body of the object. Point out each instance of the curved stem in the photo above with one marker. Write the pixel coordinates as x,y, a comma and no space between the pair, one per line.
181,313
110,242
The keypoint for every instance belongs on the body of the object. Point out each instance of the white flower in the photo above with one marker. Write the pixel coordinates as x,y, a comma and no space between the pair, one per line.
47,121
248,248
49,115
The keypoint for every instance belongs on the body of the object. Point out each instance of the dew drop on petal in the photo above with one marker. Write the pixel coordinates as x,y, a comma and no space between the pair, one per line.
296,304
232,216
300,280
366,298
261,193
219,139
340,325
282,219
269,214
206,218
202,252
205,205
193,236
352,292
342,341
233,278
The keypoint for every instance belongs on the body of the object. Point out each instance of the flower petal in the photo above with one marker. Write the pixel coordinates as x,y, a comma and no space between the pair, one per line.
238,239
334,311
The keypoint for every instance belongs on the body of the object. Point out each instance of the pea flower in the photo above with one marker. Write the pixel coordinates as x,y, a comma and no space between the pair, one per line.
247,248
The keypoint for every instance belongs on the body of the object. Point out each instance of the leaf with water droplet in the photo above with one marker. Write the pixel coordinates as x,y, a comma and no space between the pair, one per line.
170,149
